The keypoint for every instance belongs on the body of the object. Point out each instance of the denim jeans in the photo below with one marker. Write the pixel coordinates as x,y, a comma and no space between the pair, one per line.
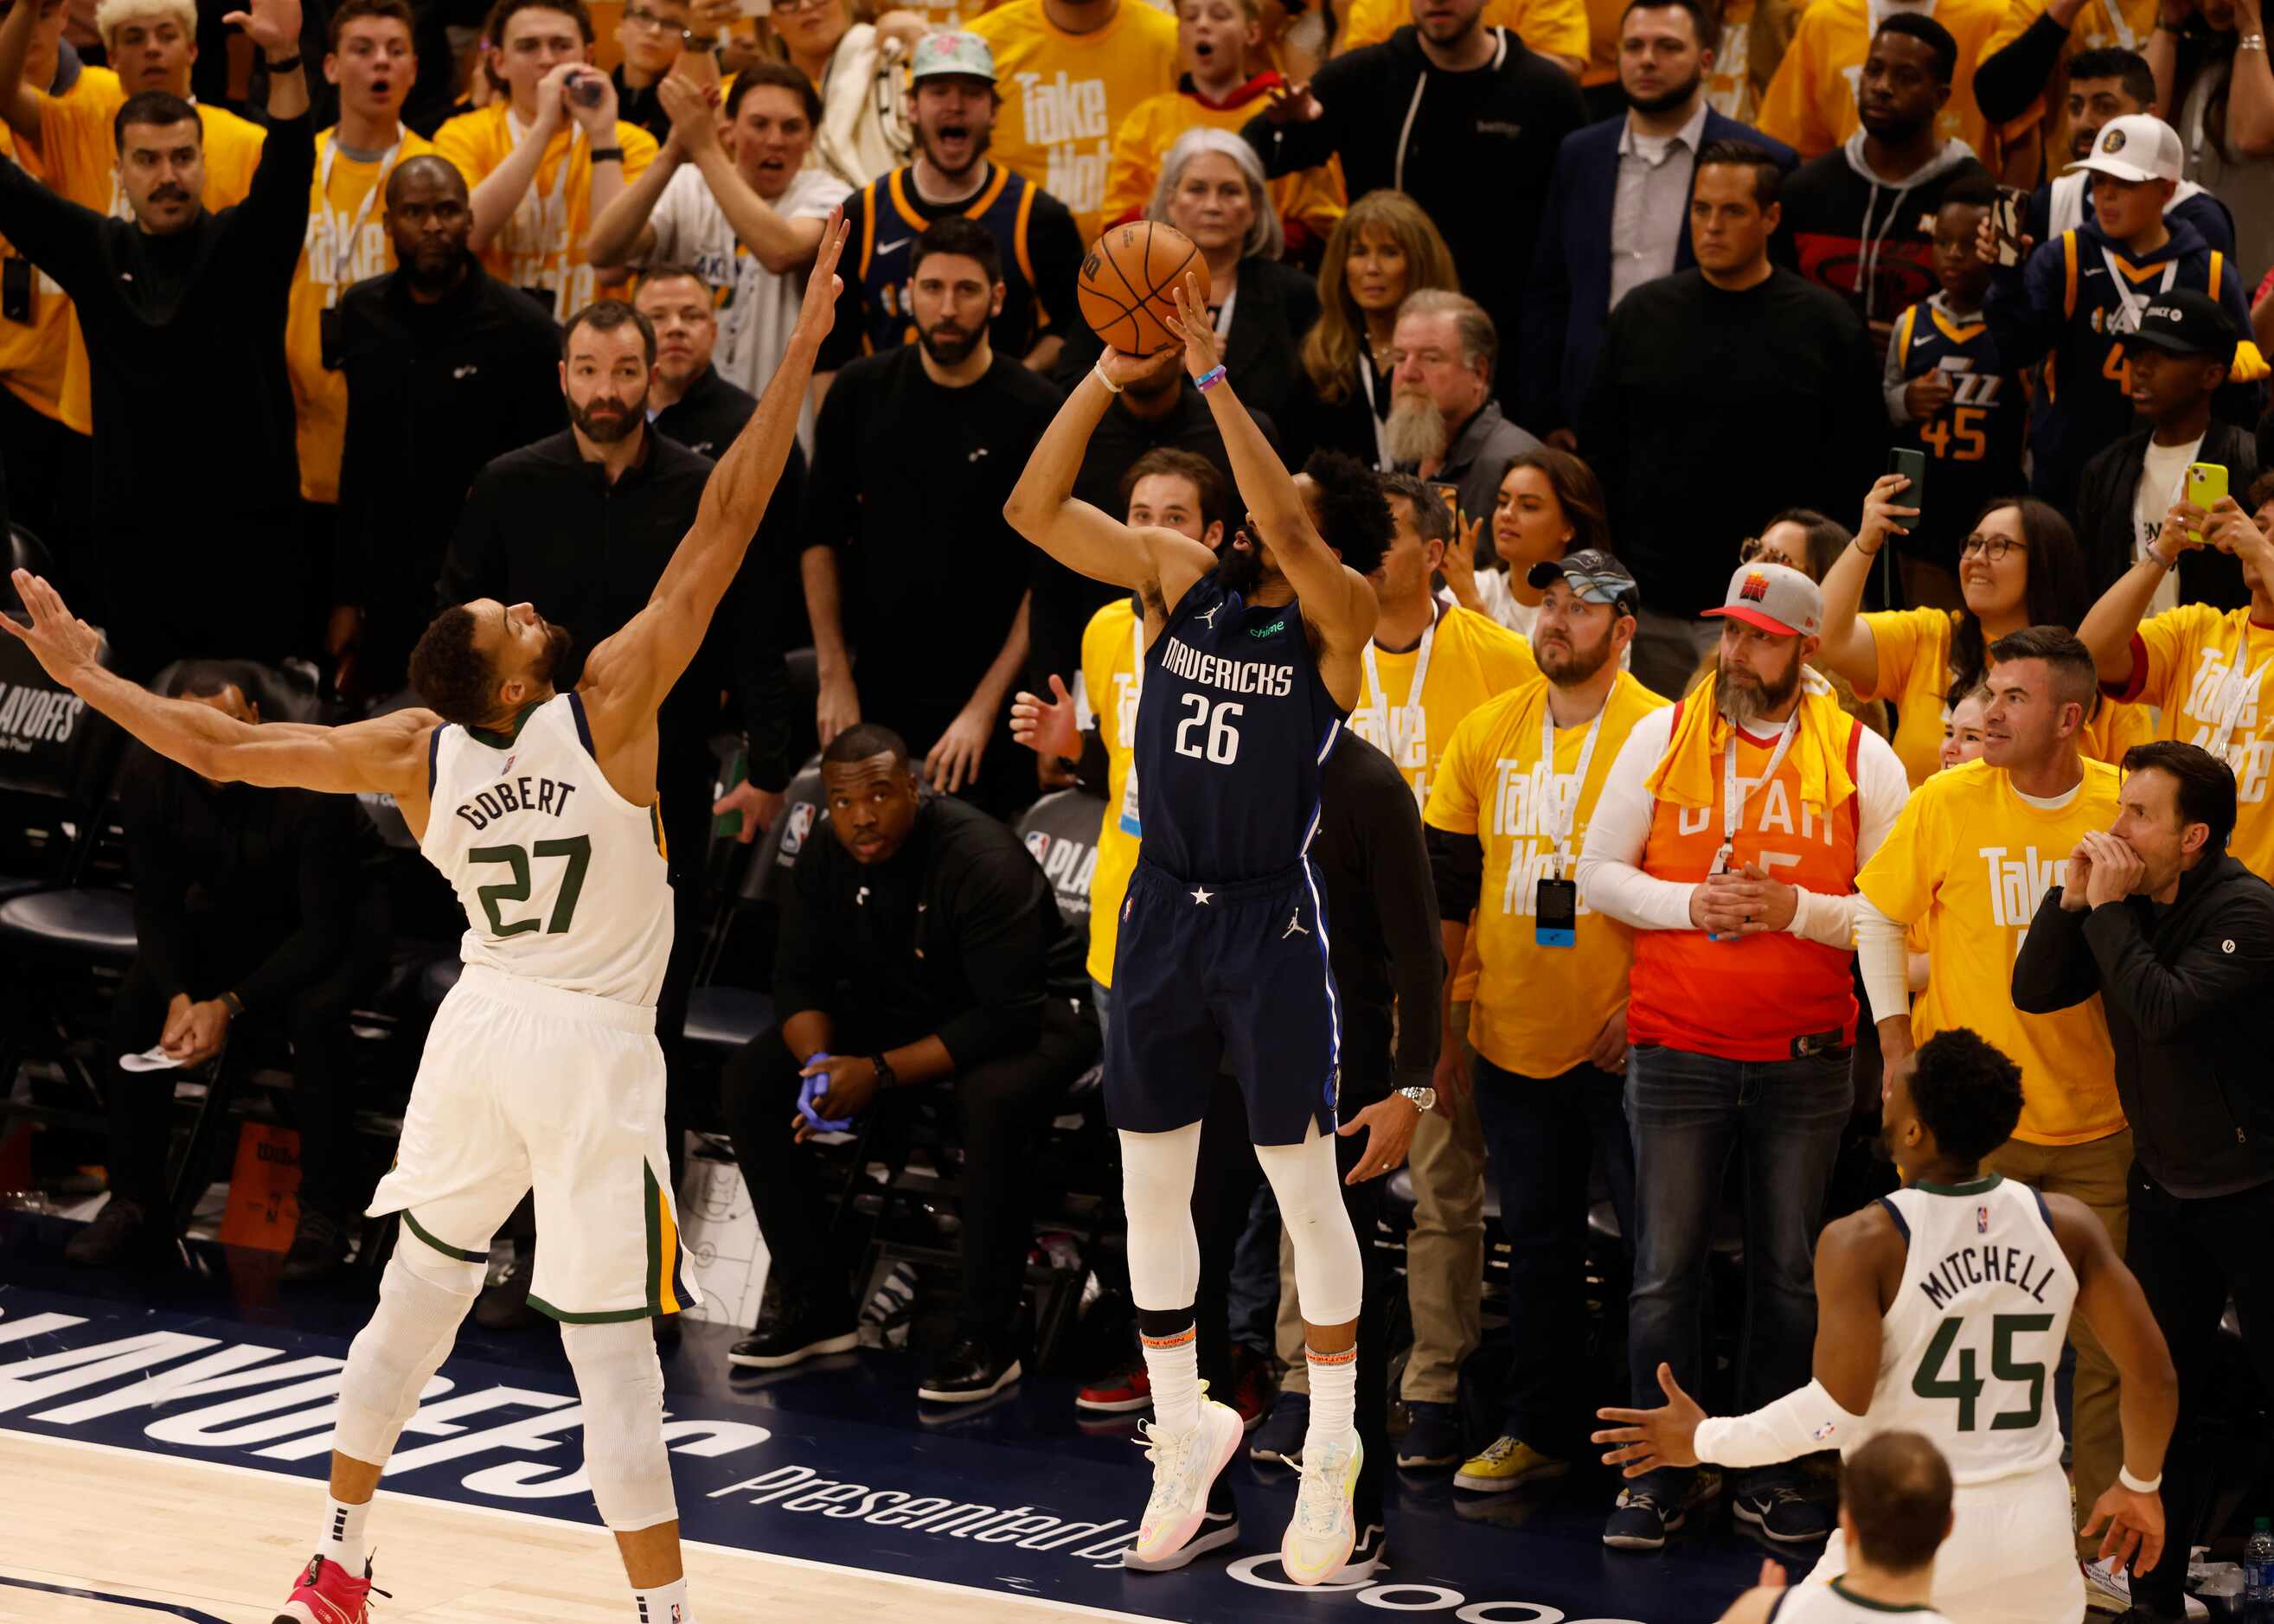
1540,1134
1688,1113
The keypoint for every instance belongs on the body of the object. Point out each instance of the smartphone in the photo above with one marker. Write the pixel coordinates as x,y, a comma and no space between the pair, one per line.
2206,483
1912,466
589,90
2008,213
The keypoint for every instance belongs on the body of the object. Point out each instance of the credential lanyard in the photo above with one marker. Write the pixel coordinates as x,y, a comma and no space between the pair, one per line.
1562,815
1733,795
345,244
1129,823
560,180
1380,705
1382,459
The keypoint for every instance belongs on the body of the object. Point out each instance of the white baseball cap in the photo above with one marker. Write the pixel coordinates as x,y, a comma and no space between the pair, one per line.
1776,598
2136,147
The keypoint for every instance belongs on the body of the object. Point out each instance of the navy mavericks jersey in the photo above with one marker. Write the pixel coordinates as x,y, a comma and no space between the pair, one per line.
1232,726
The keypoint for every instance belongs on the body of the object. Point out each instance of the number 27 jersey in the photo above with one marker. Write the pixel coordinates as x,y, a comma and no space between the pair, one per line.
1970,1345
564,881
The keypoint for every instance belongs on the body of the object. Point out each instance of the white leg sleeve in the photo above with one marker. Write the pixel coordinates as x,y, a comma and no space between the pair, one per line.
1156,1189
423,1296
622,1385
1329,1276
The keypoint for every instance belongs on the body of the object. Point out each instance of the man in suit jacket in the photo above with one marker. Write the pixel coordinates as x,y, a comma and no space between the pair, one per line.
1618,208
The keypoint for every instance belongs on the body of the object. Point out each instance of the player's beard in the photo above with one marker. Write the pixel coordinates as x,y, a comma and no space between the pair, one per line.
1743,703
947,343
980,141
608,426
1416,430
1667,101
1568,665
1239,569
560,643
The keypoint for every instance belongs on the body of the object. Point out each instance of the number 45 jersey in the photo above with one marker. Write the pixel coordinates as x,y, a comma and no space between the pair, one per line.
1973,445
564,881
1972,1341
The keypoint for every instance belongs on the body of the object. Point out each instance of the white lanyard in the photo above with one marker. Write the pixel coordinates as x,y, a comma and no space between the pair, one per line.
1379,709
1130,822
1224,312
2239,690
560,180
1733,797
345,244
1381,459
2133,305
1562,815
2125,37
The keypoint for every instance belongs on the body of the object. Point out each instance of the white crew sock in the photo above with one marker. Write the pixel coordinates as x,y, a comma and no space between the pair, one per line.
341,1540
1173,1364
665,1603
1334,1395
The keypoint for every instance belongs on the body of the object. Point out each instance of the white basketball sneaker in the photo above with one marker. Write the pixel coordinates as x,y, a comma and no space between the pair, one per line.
1321,1532
1184,1467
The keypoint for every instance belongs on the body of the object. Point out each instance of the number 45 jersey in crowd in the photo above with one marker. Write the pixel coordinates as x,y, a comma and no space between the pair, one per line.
1973,1336
1222,950
563,879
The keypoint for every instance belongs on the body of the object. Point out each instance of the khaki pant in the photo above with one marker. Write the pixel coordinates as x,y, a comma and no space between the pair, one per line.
2095,1172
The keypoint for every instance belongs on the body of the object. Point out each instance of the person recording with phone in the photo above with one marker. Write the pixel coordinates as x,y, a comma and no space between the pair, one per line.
2206,672
2179,359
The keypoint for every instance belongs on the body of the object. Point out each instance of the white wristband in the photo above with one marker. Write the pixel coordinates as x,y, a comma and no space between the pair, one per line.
2155,554
2124,1475
1111,387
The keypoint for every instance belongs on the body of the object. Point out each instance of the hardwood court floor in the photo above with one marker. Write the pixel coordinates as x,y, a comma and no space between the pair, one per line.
155,1538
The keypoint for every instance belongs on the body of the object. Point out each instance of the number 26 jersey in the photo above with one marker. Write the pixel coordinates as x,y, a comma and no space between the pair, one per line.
564,881
1233,725
1971,1342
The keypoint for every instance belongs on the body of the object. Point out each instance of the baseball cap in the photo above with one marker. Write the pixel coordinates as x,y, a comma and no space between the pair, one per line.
956,51
2185,322
2136,147
1774,597
1594,575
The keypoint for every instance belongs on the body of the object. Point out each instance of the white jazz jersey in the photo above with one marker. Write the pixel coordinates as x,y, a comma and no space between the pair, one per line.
1833,1603
1971,1342
564,881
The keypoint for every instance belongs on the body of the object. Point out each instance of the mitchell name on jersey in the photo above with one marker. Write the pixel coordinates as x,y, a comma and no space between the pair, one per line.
1975,1266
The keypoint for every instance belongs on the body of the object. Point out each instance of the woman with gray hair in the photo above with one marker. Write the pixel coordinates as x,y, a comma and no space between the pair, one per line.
1212,189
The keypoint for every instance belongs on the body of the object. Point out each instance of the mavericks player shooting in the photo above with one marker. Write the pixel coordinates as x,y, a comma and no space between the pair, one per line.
542,1067
1252,661
1941,1310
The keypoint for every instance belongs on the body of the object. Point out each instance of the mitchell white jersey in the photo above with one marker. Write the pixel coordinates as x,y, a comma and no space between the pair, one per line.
564,881
1970,1345
1835,1603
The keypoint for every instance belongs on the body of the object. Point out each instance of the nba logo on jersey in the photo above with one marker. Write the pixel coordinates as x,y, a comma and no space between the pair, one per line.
1824,1431
1038,843
801,824
1982,1221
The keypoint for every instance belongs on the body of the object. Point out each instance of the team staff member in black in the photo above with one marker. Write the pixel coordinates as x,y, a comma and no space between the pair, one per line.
183,314
447,370
920,945
2177,938
250,904
686,398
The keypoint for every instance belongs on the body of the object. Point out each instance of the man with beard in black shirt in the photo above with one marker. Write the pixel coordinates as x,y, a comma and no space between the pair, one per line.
913,455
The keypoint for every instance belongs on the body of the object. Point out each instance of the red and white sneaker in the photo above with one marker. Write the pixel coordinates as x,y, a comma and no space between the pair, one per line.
1112,1394
328,1594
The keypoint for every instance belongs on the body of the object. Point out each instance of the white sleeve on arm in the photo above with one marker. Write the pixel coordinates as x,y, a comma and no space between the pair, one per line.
1609,881
1802,1422
1881,788
1884,958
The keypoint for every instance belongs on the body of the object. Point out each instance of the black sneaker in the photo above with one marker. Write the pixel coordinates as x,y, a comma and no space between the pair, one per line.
1369,1556
792,1329
968,1373
503,1306
121,1233
319,1246
1784,1514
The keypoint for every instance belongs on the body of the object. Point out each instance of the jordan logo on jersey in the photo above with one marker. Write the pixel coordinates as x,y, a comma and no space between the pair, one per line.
1207,617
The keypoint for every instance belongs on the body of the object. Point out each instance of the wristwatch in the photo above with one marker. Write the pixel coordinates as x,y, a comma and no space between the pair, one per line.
886,1077
1424,1097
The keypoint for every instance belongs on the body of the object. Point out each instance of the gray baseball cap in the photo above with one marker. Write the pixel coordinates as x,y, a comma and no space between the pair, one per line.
1594,575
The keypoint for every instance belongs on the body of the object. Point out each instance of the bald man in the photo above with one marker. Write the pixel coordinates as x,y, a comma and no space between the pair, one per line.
1895,1513
446,369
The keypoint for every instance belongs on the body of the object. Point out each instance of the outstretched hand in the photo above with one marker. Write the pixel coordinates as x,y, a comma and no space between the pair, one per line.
818,313
272,24
2135,1528
1191,326
1046,727
1650,1438
64,644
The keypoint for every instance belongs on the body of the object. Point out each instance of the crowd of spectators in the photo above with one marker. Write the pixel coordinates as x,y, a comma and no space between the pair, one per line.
1611,300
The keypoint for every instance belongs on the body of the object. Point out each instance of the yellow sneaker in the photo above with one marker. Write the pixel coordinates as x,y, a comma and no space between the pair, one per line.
1508,1464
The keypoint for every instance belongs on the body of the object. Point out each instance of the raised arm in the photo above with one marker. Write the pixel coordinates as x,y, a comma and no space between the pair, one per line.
1160,564
385,756
2112,1303
628,674
273,28
622,233
778,243
502,189
19,102
1848,648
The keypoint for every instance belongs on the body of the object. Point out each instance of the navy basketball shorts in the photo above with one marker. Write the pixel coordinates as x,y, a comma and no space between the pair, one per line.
1212,978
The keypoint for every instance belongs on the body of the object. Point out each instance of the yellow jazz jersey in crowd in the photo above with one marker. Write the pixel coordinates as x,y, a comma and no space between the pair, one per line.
1913,646
1065,94
1110,674
543,245
1972,859
2207,674
79,147
1490,784
1313,198
2100,25
347,241
1551,27
32,351
1810,104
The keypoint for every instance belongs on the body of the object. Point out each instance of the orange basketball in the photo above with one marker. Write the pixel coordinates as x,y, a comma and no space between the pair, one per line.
1124,285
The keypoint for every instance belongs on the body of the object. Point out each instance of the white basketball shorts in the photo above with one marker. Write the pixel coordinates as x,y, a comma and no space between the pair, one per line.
523,1085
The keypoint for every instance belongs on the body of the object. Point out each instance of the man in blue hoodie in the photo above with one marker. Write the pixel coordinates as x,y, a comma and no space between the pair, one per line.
2074,300
1860,221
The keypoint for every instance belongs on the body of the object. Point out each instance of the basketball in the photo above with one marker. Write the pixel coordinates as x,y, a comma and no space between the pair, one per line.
1126,280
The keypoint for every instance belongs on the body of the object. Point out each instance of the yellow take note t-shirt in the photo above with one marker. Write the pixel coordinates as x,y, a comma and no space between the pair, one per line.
1534,1009
1811,102
1972,861
2207,674
1109,675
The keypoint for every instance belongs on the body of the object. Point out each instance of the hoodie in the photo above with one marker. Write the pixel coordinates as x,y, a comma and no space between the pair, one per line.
1872,241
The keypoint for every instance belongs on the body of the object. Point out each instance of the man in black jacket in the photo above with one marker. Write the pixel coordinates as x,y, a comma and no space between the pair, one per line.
183,313
686,397
447,370
1429,112
2177,938
920,944
2179,360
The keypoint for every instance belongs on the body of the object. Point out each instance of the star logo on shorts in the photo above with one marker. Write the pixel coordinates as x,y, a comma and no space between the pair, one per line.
1202,895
